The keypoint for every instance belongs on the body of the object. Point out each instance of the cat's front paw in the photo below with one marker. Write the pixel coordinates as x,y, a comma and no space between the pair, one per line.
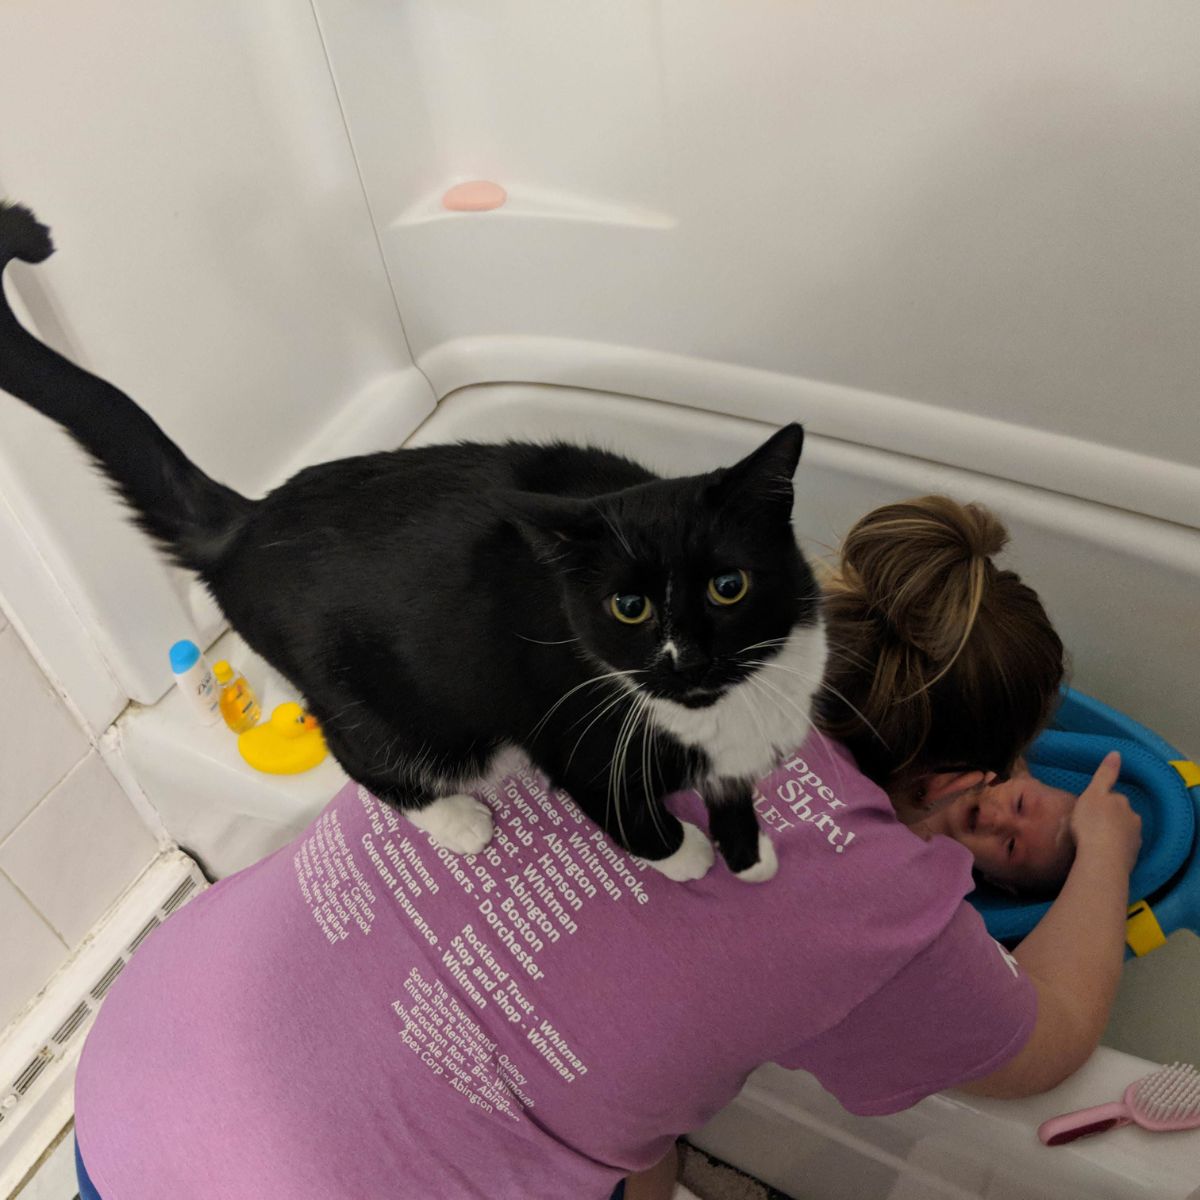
460,824
766,866
691,861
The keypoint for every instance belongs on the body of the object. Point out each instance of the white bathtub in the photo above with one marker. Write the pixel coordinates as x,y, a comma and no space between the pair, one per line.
784,1128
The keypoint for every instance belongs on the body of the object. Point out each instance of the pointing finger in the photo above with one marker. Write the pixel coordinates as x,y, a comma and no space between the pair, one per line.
1107,772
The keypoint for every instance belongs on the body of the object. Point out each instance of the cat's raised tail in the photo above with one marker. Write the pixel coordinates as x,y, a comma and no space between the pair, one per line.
193,517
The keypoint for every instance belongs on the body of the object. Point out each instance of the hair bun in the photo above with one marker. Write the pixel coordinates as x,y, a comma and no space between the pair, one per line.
937,657
922,566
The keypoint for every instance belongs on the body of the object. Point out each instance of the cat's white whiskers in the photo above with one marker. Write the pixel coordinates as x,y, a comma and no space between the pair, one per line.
605,702
826,742
647,780
832,648
616,773
539,642
344,709
755,716
734,745
596,679
830,688
834,757
622,775
609,704
805,717
855,660
646,771
788,703
611,790
387,756
821,737
768,644
633,731
851,656
815,731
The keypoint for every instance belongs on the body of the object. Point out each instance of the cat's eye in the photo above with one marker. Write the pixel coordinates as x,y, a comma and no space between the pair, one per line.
728,587
630,608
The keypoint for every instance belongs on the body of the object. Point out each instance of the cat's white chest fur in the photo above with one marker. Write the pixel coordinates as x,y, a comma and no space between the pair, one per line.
757,721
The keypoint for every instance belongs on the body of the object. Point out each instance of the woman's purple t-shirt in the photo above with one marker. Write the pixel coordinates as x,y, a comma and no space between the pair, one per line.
364,1015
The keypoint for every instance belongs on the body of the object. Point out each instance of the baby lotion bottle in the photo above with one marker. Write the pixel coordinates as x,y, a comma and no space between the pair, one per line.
195,681
239,704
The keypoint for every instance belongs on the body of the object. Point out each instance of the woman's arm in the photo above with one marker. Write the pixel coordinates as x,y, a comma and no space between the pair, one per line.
657,1183
1074,954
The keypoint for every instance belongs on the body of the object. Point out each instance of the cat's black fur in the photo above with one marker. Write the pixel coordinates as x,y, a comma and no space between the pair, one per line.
435,605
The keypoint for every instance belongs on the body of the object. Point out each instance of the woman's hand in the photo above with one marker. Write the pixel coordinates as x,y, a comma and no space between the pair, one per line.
1073,955
1103,821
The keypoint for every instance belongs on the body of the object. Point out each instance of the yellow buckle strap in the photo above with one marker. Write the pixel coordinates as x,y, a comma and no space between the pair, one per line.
1143,933
1189,770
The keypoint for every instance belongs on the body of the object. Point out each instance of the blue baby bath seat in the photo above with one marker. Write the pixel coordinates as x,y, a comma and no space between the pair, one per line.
1162,787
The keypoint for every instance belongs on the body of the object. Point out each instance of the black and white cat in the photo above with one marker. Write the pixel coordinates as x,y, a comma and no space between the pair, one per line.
632,635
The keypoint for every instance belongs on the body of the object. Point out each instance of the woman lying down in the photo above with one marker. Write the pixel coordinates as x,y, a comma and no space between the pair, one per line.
363,1014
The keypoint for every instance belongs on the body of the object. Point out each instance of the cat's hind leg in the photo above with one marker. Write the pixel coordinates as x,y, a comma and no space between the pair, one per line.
428,789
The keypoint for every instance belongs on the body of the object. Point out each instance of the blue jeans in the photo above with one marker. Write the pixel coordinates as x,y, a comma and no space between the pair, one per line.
87,1189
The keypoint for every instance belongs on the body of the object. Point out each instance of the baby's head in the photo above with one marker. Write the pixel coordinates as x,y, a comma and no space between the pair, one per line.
1018,831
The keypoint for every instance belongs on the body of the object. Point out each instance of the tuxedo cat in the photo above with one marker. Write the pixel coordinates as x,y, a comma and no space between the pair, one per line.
632,635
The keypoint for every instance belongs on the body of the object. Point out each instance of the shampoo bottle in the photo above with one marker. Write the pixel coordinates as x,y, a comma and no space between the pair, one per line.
195,681
239,704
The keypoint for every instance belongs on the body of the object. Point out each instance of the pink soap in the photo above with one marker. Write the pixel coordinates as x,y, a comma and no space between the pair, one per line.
476,196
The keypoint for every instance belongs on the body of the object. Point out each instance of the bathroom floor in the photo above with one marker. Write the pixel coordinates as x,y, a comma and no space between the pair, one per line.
708,1178
712,1179
54,1178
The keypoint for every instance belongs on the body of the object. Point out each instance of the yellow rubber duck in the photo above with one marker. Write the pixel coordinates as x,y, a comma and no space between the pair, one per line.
290,742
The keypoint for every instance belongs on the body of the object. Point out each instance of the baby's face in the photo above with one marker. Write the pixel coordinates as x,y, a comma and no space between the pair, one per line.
1018,832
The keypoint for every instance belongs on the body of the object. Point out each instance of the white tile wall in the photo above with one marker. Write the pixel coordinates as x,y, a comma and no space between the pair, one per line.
32,951
70,841
39,739
79,849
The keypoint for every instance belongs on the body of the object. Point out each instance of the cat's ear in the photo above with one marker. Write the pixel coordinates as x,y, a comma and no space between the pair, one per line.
764,477
551,525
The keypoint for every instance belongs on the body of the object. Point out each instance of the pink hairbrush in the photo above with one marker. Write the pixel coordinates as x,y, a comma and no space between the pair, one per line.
1163,1102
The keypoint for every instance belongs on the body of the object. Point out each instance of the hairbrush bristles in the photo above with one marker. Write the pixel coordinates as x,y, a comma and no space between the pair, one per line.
1171,1094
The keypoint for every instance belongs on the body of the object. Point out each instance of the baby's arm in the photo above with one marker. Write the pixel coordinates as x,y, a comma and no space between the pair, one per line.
1074,954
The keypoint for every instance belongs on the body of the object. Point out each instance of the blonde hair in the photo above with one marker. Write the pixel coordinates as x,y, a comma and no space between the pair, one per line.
938,659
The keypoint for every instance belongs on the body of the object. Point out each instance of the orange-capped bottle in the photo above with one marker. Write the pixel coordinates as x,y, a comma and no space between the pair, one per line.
239,705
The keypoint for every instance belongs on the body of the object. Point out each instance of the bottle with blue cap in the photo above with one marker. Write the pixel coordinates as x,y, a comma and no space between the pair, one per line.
195,680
